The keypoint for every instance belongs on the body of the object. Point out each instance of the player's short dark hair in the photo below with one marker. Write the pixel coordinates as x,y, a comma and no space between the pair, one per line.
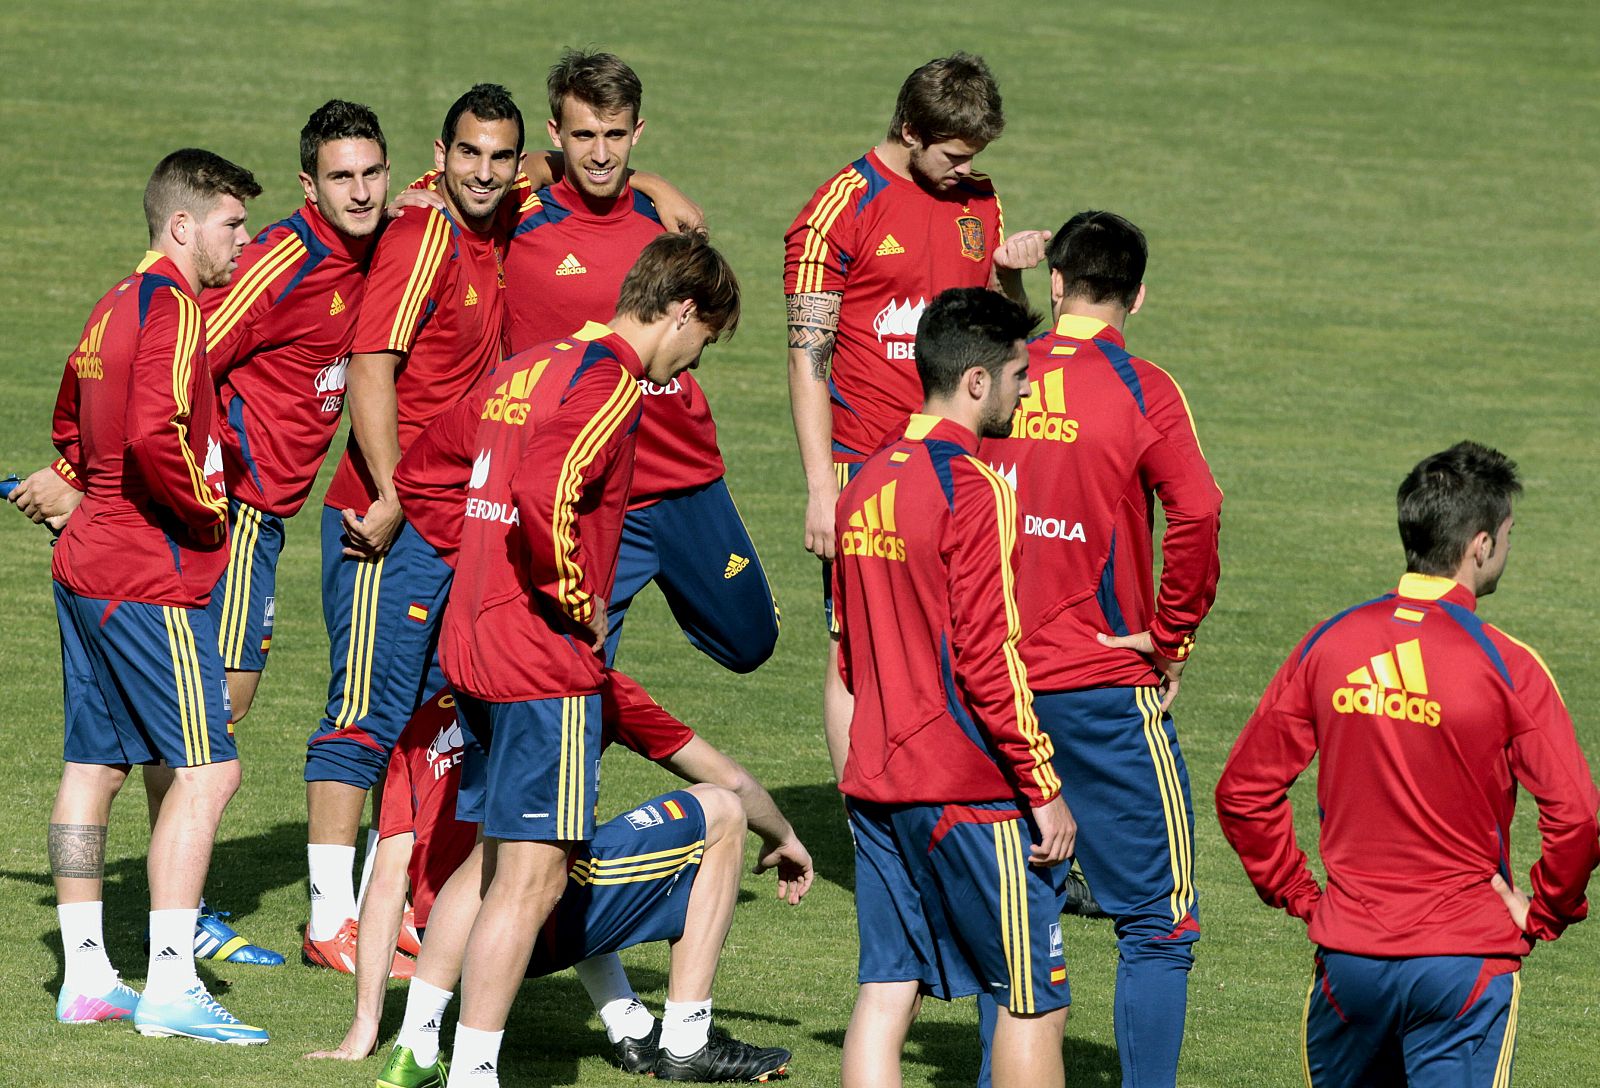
337,119
1101,258
486,102
1448,499
193,180
966,327
600,80
674,267
950,98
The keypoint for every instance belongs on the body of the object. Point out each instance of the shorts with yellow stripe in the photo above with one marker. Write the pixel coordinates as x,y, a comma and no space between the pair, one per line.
1423,1021
142,682
945,897
629,885
383,620
530,770
244,602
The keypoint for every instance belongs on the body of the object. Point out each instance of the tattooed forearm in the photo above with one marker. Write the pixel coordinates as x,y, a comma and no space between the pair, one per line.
813,327
78,850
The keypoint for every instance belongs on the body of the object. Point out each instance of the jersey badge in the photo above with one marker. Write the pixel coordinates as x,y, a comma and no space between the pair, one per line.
971,229
336,307
472,296
1391,685
736,563
417,612
570,266
889,247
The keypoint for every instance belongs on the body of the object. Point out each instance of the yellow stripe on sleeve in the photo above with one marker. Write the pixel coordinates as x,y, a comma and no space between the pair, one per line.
813,254
590,441
249,287
1540,662
188,343
430,255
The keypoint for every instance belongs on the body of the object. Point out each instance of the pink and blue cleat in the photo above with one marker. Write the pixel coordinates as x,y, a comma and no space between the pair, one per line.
117,1003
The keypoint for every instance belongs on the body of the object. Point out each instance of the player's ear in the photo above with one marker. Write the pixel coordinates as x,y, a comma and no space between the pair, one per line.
438,155
638,129
554,129
1138,301
686,311
1058,287
976,382
310,188
180,226
908,135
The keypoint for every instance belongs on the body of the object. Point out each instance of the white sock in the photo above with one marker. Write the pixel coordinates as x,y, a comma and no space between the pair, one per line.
171,953
475,1060
425,1005
89,971
620,1009
333,895
685,1026
366,868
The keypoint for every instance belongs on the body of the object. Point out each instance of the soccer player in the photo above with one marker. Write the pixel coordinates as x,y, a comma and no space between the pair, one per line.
526,626
430,325
953,802
887,233
134,568
1424,720
1102,437
424,840
568,256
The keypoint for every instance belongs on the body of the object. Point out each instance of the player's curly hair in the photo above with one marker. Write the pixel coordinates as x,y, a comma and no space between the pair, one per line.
192,180
337,119
966,327
486,102
674,267
1448,499
601,80
949,98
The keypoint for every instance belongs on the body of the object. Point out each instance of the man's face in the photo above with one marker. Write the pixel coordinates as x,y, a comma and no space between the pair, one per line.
351,185
1006,390
1489,574
479,165
680,350
219,238
940,166
596,146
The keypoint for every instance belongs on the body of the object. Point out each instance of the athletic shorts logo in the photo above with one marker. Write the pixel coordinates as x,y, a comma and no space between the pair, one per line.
269,612
1392,685
674,810
1041,415
641,818
899,319
417,612
1055,940
972,244
736,563
872,528
509,405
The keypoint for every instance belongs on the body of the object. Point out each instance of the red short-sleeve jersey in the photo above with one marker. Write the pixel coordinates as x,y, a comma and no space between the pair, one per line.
278,338
135,420
565,265
433,297
890,246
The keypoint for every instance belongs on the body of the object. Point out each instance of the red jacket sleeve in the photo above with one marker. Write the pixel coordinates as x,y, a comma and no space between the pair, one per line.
986,627
1276,745
1547,761
570,452
1176,470
265,268
160,444
406,271
64,432
820,233
396,817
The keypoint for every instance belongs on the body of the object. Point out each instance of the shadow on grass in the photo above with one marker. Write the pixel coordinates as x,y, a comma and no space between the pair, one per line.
817,813
954,1054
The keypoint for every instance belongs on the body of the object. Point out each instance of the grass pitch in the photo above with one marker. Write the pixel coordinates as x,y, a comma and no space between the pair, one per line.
1372,232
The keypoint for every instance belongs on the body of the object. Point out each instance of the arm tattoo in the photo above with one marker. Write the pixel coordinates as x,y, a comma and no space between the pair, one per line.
813,327
78,850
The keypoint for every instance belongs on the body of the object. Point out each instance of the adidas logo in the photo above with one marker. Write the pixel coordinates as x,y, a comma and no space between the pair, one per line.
872,528
472,296
509,405
1041,415
889,246
336,307
697,1016
1391,685
89,945
736,563
484,1067
167,953
316,892
570,266
432,1025
86,360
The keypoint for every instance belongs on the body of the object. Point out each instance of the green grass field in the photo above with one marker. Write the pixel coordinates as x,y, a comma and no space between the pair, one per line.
1373,230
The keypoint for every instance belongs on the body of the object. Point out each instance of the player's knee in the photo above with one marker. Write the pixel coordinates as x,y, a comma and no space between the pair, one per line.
1157,942
723,812
212,784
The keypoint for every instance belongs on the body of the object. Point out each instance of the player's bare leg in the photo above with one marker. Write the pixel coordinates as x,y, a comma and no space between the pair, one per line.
333,820
837,707
157,781
1027,1049
158,776
242,686
78,829
450,921
709,913
181,840
877,1033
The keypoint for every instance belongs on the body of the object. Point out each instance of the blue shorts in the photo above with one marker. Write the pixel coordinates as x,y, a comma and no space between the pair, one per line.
945,896
1426,1022
694,546
244,600
845,471
142,682
383,640
531,770
629,886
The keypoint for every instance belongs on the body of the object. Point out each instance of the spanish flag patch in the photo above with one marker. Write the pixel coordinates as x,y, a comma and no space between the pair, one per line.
1058,975
417,612
674,809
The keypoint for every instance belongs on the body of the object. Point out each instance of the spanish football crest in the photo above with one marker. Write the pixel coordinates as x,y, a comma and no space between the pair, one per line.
971,228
